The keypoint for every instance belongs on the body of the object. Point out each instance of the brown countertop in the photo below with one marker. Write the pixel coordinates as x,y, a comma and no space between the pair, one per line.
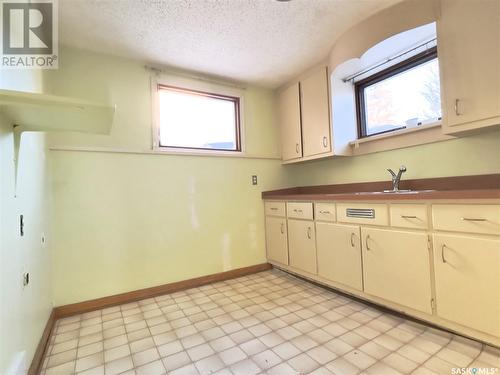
461,187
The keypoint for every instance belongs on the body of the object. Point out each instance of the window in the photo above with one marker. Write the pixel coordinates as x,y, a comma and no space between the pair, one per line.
198,120
402,96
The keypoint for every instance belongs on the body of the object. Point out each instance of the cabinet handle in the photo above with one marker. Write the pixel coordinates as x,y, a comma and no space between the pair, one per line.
309,232
352,239
297,211
297,148
409,217
324,212
274,208
443,246
366,243
282,228
325,142
457,112
472,219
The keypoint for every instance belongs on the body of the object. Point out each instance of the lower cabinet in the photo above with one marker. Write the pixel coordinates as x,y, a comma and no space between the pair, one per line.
396,267
276,239
302,245
467,274
339,253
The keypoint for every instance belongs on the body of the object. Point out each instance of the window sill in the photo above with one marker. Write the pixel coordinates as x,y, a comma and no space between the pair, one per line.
197,152
428,133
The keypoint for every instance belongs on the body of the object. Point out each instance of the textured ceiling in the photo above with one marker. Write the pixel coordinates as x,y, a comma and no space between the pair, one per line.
264,42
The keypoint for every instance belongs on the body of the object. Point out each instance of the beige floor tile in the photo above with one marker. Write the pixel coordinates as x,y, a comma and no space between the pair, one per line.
152,368
62,347
201,351
359,359
400,363
116,352
62,369
266,359
282,369
321,355
60,358
380,368
253,347
118,365
286,350
374,350
170,348
99,370
186,370
303,363
141,345
145,356
90,361
176,361
232,355
209,365
245,367
342,367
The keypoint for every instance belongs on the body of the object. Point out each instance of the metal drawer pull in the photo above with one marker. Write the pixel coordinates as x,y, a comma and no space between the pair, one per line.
472,219
352,239
297,148
274,208
324,212
442,253
457,112
366,213
282,228
366,242
309,232
298,211
325,142
409,217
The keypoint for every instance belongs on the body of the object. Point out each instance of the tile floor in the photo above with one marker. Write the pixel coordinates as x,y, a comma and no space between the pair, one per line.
267,323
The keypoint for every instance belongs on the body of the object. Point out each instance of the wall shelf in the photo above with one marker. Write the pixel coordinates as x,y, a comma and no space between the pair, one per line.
42,112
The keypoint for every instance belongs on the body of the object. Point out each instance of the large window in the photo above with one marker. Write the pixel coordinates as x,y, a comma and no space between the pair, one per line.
402,96
197,120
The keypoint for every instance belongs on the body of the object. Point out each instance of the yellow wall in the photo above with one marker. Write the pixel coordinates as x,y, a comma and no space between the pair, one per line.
479,154
129,221
23,310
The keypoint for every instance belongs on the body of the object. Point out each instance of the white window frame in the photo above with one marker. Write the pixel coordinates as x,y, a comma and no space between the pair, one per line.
195,85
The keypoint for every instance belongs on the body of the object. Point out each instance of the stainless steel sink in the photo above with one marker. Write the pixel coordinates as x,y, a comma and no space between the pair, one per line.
393,192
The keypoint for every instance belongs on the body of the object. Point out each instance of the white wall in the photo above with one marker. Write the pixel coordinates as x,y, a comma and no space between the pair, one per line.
23,310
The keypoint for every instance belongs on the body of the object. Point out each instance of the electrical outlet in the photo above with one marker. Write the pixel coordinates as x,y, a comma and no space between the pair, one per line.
26,278
254,179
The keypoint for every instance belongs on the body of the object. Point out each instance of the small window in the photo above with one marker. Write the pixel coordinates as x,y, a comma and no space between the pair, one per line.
402,96
197,120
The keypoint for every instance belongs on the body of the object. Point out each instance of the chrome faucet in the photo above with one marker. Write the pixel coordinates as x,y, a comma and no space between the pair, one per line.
396,178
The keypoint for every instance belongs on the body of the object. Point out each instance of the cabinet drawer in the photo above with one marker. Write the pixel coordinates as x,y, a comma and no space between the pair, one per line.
409,216
360,213
324,211
275,208
299,210
471,218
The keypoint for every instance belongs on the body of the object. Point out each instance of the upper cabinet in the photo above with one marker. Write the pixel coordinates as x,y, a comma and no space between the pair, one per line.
289,108
469,58
305,118
315,113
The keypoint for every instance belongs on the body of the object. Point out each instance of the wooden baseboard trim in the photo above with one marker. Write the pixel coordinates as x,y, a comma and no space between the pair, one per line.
37,361
136,295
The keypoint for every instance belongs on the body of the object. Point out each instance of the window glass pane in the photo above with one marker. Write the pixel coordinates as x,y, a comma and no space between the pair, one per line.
193,120
405,99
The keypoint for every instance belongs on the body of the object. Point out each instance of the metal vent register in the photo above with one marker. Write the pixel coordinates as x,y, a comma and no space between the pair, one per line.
366,213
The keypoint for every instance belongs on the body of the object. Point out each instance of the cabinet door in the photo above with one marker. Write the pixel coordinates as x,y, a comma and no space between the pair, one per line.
276,240
289,107
315,113
467,273
469,59
396,267
302,245
339,253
